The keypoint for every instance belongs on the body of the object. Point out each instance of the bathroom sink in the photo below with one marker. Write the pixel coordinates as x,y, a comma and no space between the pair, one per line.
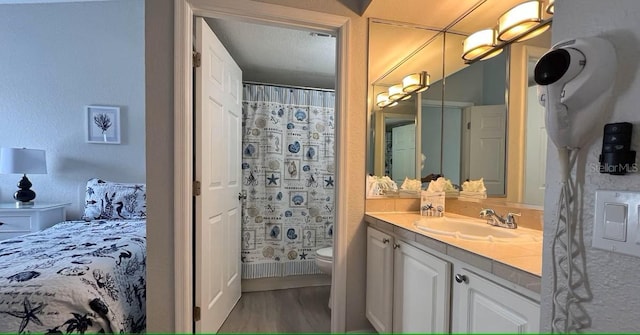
472,229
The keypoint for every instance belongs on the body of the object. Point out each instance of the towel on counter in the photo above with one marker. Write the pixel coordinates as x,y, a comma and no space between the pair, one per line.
411,185
473,189
443,185
380,185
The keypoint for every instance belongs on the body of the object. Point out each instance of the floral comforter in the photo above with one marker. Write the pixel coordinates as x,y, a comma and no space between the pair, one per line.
75,277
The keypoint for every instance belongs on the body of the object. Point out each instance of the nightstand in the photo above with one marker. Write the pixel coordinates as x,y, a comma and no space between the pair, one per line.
16,221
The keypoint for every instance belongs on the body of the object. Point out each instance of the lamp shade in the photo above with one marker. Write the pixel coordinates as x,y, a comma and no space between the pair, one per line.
521,20
382,100
478,44
396,92
415,82
22,161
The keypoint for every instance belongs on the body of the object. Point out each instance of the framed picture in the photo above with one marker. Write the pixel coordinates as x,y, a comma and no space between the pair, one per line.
102,124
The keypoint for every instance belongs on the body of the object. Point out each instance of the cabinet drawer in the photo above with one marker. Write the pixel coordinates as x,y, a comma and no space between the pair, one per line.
15,224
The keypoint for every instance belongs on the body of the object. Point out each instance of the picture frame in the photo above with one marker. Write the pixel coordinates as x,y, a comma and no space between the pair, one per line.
102,124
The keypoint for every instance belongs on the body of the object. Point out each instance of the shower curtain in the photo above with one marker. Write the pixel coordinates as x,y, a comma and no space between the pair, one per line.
288,177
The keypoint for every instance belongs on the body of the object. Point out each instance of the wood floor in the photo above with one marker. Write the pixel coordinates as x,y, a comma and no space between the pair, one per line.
296,310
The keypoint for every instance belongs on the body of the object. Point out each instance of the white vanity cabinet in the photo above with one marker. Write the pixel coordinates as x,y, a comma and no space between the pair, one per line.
410,290
420,291
482,306
379,297
407,288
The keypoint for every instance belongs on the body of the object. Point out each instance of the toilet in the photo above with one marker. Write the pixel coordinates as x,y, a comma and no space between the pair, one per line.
324,261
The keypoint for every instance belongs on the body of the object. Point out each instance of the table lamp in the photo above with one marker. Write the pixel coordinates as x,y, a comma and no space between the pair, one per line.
23,161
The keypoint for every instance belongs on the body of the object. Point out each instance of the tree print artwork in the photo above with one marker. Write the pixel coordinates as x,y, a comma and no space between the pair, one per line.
102,124
103,121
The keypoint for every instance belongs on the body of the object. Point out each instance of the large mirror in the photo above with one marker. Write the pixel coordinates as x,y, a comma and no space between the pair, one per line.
398,150
478,120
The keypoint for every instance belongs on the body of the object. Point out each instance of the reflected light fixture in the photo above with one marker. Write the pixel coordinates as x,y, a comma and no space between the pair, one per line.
521,20
382,100
416,82
413,83
478,44
551,7
396,92
23,161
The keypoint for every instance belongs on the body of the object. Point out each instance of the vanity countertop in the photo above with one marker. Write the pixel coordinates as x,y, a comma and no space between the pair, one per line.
519,263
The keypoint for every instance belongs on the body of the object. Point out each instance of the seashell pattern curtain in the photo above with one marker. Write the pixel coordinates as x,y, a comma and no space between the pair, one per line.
289,178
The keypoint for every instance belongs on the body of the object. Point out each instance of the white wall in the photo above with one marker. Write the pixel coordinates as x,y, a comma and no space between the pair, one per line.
612,278
54,60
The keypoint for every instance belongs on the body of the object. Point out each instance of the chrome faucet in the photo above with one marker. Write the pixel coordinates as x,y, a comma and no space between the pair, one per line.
509,221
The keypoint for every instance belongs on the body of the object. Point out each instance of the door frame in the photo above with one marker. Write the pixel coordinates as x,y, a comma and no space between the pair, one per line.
256,12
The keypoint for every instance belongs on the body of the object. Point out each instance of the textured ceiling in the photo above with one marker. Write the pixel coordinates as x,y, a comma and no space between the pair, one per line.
277,55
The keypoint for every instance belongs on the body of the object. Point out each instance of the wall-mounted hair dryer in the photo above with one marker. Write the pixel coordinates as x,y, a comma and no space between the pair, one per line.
575,80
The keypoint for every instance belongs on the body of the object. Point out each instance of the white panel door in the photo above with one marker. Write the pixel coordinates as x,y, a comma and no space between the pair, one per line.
421,291
218,121
483,306
432,140
452,144
535,151
487,147
379,303
403,153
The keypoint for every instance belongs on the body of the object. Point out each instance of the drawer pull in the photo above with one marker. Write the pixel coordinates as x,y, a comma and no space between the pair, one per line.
1,223
385,240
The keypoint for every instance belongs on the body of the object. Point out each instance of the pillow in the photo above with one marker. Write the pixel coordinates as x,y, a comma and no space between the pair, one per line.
108,200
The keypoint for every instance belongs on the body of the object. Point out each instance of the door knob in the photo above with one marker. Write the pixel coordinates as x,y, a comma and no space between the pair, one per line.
461,278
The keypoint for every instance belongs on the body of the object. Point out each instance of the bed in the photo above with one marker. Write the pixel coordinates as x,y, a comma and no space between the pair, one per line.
80,276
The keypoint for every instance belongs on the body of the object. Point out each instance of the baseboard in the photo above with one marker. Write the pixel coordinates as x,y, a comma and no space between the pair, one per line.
281,283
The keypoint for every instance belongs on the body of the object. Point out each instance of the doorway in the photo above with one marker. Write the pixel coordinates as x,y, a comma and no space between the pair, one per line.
252,12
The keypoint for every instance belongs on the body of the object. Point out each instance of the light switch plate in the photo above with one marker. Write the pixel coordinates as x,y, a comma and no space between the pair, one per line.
616,222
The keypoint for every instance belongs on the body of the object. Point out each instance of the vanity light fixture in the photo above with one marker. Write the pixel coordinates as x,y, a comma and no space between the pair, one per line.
413,83
396,92
522,21
416,82
480,43
382,100
551,8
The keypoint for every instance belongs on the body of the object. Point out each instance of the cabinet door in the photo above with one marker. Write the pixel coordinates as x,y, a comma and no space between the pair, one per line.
483,306
421,291
379,280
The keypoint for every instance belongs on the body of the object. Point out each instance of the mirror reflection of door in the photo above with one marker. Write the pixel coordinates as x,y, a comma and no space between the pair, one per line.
400,146
403,154
535,136
431,137
487,139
